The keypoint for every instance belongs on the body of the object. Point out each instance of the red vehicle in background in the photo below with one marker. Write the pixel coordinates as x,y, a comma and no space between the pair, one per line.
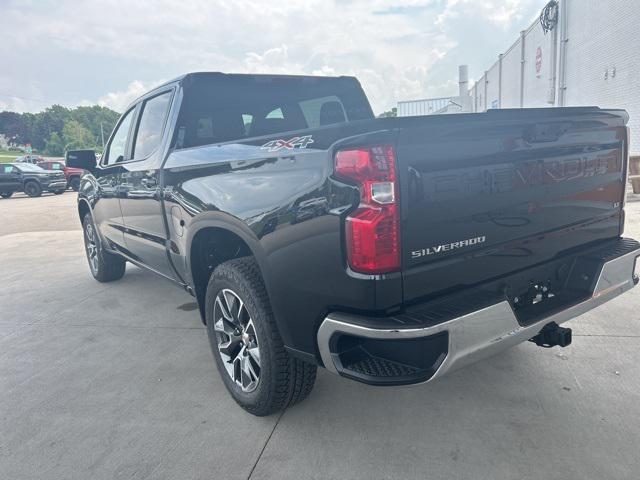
71,174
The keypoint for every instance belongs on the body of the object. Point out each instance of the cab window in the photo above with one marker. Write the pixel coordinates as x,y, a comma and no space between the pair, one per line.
323,111
151,124
218,109
117,148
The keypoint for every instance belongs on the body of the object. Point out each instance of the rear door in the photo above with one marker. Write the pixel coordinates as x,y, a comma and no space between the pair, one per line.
140,193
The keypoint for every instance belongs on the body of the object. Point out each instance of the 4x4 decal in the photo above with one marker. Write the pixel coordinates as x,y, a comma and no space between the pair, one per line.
295,142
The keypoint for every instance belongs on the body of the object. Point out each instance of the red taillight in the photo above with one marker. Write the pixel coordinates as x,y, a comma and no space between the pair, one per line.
373,229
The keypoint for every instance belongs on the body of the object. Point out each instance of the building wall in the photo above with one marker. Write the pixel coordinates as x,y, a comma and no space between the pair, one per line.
413,108
538,70
603,37
493,86
481,97
602,64
511,62
537,67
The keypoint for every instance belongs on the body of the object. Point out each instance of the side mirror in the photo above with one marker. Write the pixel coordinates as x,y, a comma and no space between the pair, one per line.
85,159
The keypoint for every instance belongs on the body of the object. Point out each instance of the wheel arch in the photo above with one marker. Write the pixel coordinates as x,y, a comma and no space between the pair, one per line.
215,239
83,208
32,180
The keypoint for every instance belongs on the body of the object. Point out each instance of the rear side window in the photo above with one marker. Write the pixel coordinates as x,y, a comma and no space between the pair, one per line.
151,125
247,120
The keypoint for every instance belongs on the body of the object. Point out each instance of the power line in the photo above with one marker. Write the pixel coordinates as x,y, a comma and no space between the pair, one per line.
24,98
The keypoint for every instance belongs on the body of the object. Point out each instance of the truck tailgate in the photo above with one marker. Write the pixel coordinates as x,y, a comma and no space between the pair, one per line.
486,195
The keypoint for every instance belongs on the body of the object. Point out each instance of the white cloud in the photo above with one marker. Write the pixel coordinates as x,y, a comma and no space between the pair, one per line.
500,13
392,47
119,100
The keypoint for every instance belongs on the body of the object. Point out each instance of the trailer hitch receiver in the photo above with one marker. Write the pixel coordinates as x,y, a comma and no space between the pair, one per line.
552,335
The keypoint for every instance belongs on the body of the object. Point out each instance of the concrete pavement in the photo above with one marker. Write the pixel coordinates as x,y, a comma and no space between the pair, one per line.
116,380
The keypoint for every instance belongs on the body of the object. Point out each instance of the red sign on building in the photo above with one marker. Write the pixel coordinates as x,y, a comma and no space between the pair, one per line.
538,60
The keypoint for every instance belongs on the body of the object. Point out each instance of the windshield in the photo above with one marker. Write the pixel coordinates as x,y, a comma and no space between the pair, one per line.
28,167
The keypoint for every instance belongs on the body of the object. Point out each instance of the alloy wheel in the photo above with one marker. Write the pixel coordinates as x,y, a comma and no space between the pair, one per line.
92,247
30,189
237,340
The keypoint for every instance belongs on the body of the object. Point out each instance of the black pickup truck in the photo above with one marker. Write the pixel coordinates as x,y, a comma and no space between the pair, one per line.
30,179
390,251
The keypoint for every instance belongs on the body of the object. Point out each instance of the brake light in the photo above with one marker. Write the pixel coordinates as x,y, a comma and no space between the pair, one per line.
373,229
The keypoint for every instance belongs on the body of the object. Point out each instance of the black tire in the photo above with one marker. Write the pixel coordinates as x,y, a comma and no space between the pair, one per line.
104,266
283,380
6,194
74,183
33,189
58,192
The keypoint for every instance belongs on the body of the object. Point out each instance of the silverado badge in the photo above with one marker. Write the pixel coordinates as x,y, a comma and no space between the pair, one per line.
447,247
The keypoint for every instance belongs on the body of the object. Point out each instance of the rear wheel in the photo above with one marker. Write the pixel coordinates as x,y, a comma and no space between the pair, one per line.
33,189
58,192
258,372
6,194
104,266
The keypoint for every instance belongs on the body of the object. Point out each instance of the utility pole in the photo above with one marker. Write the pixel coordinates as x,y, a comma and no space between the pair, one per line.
102,134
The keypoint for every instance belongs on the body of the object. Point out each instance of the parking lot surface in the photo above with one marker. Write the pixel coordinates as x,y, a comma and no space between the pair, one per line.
109,381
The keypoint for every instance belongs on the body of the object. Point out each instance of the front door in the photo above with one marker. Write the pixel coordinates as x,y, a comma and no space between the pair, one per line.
107,175
145,232
10,179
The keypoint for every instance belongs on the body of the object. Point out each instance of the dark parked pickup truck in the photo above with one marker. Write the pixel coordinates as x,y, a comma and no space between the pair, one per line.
30,179
390,251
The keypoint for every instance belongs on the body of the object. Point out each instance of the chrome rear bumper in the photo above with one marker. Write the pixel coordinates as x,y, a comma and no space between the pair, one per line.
481,333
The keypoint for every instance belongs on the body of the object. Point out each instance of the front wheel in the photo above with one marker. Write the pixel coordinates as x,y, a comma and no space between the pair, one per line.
104,266
58,192
258,372
75,184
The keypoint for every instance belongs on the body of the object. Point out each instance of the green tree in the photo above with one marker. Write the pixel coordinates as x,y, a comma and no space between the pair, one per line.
99,120
55,145
391,113
51,120
38,128
14,126
75,136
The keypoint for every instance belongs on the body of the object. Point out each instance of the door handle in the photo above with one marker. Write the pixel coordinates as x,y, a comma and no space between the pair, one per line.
149,182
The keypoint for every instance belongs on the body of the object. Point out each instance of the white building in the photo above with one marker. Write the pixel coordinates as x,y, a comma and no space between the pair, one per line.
589,56
431,106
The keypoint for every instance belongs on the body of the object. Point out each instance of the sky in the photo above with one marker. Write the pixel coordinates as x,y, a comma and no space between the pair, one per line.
111,51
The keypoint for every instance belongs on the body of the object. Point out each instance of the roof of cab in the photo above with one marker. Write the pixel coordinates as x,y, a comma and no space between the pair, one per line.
190,75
